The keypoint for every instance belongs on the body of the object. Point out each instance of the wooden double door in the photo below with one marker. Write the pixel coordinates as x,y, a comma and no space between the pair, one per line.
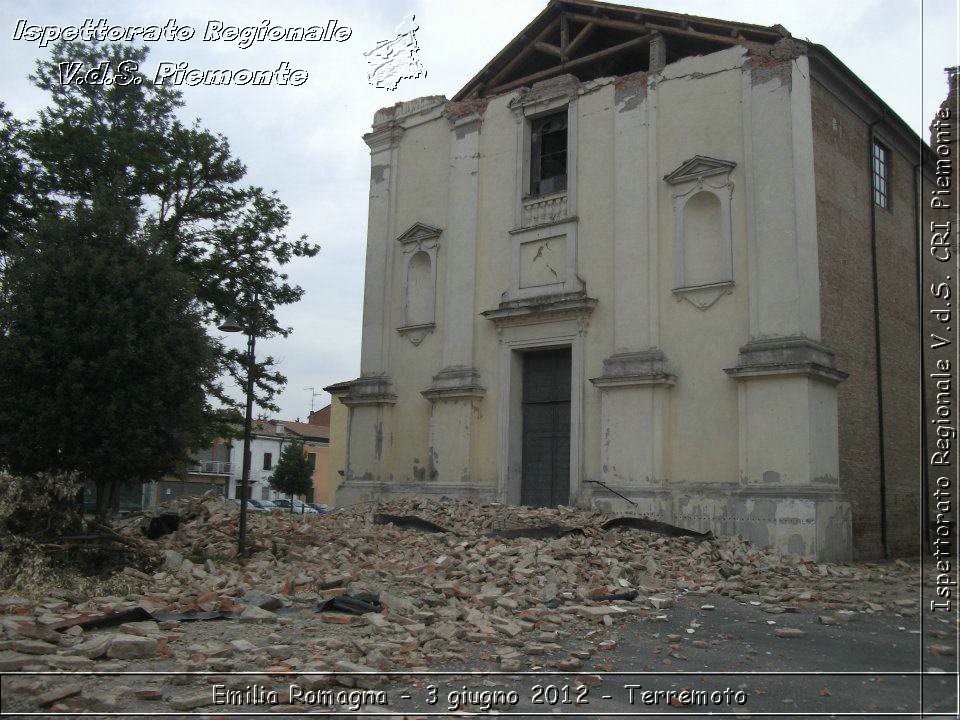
545,480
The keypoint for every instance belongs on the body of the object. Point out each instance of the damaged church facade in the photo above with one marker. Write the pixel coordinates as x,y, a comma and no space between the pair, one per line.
628,265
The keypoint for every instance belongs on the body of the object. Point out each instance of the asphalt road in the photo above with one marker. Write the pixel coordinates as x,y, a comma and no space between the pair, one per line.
867,667
730,656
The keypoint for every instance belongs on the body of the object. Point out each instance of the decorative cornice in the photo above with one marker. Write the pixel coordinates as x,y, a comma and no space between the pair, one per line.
546,94
419,232
699,167
635,369
435,394
539,226
628,381
371,390
809,369
406,108
384,136
549,307
703,297
786,356
455,383
416,333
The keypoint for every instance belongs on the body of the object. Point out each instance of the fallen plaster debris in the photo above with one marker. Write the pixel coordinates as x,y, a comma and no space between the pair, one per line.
350,589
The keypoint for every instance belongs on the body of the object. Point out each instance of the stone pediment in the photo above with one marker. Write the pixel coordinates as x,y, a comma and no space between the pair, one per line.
699,166
419,232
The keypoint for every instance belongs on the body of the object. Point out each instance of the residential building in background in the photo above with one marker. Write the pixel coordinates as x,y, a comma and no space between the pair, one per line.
267,442
323,491
337,459
209,470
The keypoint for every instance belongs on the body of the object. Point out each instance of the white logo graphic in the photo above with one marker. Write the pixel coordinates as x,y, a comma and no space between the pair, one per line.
394,60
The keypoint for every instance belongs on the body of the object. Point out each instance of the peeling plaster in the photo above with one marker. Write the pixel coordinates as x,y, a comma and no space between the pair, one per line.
464,130
419,473
631,91
378,440
763,72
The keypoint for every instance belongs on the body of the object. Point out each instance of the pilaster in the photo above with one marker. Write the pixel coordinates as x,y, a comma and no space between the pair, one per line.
636,378
456,389
788,414
384,141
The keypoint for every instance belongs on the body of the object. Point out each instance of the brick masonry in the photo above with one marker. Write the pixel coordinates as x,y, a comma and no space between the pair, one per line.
843,196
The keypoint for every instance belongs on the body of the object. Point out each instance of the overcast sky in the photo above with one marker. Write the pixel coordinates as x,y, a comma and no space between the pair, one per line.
306,142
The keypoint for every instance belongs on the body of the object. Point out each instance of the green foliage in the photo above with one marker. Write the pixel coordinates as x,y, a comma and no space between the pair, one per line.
94,133
292,475
185,187
124,232
20,200
105,358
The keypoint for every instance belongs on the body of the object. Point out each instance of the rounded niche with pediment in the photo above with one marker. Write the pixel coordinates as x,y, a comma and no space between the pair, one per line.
704,243
419,245
420,291
703,256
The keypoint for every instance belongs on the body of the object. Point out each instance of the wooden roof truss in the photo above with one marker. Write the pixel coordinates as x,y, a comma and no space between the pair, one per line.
594,39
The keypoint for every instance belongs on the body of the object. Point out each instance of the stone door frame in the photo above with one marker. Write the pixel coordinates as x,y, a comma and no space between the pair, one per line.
515,340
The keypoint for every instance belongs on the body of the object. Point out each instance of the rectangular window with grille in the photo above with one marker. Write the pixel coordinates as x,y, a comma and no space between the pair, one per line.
881,176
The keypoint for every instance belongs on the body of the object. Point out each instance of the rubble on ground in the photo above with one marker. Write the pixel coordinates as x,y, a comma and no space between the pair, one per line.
411,598
48,545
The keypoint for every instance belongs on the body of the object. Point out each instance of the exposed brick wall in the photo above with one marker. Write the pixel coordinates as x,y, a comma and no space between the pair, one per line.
846,304
843,192
945,144
900,355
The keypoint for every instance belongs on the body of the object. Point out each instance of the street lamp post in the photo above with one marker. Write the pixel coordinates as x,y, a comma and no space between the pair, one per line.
230,324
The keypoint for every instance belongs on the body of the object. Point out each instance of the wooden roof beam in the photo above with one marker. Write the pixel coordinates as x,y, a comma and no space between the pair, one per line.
581,38
610,23
609,52
564,37
549,49
668,30
522,55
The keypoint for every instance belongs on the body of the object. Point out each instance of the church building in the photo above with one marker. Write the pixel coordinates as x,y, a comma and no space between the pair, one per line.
655,263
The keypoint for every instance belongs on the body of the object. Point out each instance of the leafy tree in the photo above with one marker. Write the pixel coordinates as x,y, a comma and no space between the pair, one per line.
184,185
293,474
104,354
20,199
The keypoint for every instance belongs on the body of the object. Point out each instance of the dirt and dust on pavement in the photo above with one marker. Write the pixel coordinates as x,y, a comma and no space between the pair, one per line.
425,608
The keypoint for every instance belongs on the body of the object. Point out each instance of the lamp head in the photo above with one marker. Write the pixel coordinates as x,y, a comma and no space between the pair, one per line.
230,324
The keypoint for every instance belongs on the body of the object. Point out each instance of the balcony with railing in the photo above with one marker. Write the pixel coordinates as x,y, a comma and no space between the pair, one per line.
209,467
544,209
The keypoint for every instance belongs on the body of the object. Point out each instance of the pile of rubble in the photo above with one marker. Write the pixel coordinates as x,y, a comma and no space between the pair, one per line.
380,587
47,542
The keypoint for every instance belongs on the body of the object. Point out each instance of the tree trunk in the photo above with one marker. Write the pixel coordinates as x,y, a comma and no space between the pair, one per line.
114,497
108,498
102,506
